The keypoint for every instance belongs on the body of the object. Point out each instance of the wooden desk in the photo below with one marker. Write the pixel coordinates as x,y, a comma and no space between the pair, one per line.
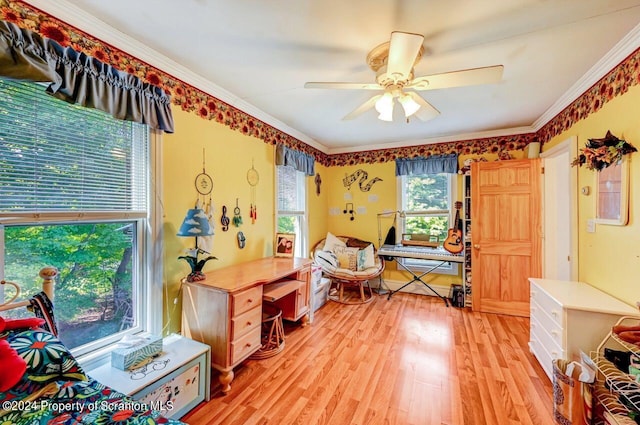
225,310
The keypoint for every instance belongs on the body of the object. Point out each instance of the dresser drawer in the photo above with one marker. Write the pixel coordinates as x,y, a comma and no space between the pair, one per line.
538,333
244,346
543,357
243,323
547,304
245,301
548,323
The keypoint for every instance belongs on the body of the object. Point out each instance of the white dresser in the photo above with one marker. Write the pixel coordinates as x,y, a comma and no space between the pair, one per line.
567,317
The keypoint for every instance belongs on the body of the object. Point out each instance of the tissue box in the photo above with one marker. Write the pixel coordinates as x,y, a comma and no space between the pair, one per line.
125,358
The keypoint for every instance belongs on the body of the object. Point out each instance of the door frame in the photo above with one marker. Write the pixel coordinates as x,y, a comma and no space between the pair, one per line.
569,145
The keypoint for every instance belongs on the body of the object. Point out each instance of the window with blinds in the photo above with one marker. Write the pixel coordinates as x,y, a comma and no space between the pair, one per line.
291,201
60,157
74,185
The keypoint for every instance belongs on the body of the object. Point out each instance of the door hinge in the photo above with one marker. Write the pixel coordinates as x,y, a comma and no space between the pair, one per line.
541,170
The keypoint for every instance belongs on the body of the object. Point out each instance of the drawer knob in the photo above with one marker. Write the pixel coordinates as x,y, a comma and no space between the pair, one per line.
248,344
249,323
476,246
249,301
554,313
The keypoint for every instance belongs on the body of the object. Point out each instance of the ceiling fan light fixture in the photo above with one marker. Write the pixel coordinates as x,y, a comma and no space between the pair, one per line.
384,105
409,105
386,116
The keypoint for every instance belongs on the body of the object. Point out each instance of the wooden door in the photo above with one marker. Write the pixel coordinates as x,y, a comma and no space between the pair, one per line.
506,234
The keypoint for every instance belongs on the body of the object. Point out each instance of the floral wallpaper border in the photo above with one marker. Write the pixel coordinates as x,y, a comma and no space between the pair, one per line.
191,99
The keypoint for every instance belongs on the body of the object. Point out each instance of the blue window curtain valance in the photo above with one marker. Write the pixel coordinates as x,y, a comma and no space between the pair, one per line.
298,160
434,164
81,79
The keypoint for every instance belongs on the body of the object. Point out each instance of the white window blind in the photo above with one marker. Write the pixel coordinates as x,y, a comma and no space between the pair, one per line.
69,159
291,196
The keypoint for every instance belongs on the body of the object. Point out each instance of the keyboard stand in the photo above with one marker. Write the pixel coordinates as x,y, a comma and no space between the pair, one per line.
418,278
382,288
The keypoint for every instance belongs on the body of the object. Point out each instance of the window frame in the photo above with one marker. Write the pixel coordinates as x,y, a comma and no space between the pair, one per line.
302,239
424,265
148,251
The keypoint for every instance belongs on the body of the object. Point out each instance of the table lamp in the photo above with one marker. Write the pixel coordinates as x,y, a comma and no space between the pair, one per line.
196,223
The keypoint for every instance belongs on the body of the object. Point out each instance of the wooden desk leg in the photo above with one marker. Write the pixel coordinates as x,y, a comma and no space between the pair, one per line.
305,320
225,379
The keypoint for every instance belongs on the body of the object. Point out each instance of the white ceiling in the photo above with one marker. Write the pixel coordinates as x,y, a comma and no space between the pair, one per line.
258,54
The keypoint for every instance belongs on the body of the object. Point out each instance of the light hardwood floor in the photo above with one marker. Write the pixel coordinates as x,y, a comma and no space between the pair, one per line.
409,360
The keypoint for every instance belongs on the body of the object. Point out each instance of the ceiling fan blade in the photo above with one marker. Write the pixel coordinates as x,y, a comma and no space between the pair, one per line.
427,111
466,77
343,86
403,50
362,108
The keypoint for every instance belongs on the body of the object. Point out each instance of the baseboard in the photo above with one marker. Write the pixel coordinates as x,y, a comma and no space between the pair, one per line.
413,288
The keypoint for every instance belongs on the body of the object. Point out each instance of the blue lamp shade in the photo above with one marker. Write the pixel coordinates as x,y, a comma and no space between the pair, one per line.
195,223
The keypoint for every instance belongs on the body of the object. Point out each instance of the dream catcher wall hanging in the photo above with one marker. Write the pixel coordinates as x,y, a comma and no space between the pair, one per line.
253,178
204,187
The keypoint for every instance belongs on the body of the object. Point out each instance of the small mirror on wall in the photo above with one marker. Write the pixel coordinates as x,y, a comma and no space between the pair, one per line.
612,194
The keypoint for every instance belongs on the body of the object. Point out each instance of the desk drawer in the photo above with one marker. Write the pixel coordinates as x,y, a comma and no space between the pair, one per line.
245,301
245,322
244,346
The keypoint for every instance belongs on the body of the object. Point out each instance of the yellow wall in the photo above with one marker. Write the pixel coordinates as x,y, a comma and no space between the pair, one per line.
228,156
609,258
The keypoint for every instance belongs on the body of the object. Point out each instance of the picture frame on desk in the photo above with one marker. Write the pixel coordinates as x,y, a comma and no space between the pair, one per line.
285,245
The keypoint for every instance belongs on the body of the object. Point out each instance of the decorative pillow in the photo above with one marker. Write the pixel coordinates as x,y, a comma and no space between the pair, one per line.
13,366
357,243
48,360
347,257
366,258
327,260
332,241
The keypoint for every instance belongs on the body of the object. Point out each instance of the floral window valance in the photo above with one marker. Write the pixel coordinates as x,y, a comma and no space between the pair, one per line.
81,79
298,160
434,164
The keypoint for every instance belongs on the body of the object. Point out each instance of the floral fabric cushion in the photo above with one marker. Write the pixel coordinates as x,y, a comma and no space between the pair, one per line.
48,360
88,402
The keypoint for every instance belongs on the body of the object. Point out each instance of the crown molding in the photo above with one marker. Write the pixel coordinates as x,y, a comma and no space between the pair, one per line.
73,15
444,139
613,58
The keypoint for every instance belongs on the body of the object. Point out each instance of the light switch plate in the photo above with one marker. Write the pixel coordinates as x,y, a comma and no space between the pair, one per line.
591,226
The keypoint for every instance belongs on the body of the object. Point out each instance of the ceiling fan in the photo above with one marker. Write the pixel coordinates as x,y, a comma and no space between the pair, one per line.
393,64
